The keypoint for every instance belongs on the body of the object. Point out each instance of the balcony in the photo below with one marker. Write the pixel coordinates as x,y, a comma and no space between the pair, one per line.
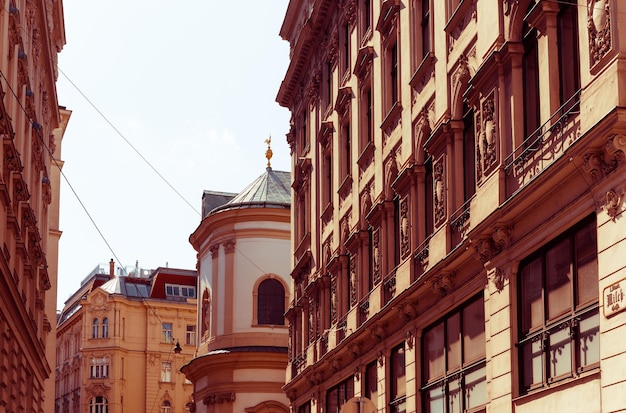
543,147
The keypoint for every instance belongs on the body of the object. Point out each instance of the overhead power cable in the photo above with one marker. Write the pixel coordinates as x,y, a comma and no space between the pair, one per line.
128,142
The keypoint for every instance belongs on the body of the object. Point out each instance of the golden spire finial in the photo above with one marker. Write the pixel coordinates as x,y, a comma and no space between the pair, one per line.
268,152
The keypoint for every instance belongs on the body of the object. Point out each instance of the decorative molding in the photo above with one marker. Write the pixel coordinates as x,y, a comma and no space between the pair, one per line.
219,398
488,133
599,29
405,229
443,284
485,248
376,255
353,280
229,245
498,276
502,235
439,189
410,339
613,203
214,249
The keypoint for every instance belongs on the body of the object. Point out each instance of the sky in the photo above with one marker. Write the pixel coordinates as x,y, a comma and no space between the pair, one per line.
168,99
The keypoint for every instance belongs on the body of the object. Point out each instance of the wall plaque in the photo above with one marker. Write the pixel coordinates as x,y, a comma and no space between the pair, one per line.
614,298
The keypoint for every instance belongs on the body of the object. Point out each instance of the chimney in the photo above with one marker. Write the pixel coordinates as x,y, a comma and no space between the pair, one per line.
111,269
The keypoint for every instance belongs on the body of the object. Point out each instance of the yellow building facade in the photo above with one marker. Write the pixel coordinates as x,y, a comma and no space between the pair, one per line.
458,175
243,263
32,126
122,340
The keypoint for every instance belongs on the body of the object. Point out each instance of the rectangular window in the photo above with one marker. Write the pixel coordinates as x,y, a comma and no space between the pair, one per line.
425,25
190,335
559,295
428,197
569,60
166,333
371,382
365,22
530,72
166,371
393,74
346,150
305,408
469,158
453,359
339,394
397,372
99,368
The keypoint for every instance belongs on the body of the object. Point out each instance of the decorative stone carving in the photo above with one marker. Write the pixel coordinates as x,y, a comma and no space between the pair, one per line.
353,278
378,331
407,310
488,134
443,284
410,340
439,191
313,88
497,276
405,235
613,202
421,131
349,8
599,29
229,246
376,255
219,398
214,249
485,248
502,235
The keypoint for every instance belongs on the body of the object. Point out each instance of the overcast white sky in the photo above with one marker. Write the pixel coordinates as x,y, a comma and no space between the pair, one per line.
192,86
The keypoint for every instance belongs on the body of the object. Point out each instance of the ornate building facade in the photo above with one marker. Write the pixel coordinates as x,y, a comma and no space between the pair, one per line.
243,260
32,125
458,179
121,340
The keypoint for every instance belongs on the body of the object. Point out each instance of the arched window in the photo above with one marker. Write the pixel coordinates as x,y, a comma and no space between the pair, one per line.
166,407
105,327
98,404
271,302
94,329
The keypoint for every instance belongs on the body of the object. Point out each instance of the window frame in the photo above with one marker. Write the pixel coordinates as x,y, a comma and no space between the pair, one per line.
167,333
99,368
95,328
273,307
538,336
98,404
466,364
191,335
166,372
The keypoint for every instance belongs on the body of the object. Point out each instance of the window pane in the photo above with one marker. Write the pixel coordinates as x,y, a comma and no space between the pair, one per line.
453,330
533,370
398,374
331,401
560,352
587,264
474,331
271,302
371,383
433,341
435,400
532,311
454,397
476,388
558,278
589,340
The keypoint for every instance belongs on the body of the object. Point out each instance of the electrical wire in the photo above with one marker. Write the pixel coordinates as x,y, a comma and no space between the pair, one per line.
38,134
128,142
